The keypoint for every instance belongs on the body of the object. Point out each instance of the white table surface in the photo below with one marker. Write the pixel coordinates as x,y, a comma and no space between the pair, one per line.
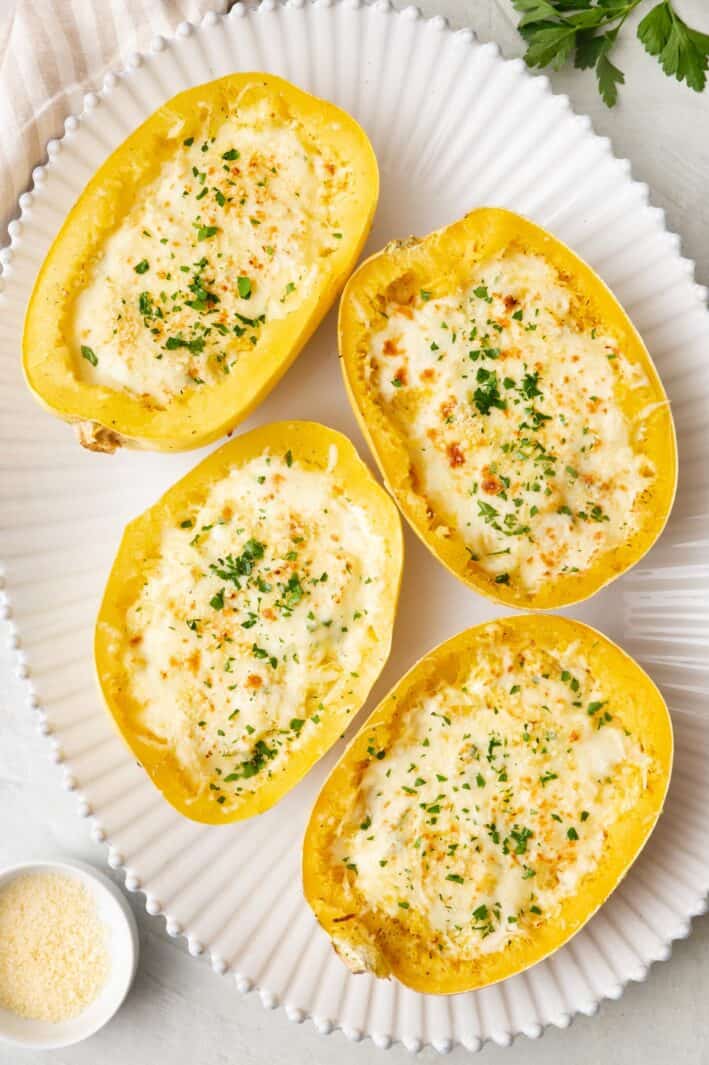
179,1011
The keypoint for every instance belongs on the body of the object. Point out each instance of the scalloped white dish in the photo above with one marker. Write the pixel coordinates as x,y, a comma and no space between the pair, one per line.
454,126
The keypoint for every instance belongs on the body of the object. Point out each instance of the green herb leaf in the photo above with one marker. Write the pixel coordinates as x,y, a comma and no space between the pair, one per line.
551,46
217,601
205,232
487,394
609,78
589,48
683,52
232,569
588,29
89,354
534,11
195,346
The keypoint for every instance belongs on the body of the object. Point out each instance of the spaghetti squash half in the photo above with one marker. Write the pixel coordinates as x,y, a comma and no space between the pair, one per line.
489,805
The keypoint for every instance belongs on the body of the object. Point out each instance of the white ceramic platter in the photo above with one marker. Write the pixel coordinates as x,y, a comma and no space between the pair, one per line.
454,126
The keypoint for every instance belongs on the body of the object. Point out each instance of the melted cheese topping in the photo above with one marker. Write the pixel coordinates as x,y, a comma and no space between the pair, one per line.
233,232
507,403
253,619
493,801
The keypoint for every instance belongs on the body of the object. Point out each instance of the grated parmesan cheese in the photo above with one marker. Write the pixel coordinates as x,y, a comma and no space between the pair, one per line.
54,957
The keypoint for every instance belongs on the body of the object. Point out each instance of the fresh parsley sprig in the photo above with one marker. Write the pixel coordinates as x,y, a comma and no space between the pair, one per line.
557,31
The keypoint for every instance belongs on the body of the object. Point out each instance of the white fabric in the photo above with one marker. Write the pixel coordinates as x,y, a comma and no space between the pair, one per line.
51,53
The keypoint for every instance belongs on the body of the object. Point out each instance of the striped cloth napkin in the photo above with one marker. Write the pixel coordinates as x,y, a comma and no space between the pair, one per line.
51,53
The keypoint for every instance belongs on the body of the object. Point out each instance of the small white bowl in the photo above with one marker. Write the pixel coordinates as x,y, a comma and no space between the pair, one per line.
116,914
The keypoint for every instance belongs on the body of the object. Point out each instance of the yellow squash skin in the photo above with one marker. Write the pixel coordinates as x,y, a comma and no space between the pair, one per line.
316,448
110,417
403,945
440,264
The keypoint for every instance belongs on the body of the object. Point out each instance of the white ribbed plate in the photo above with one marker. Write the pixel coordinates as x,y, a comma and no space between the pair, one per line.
454,126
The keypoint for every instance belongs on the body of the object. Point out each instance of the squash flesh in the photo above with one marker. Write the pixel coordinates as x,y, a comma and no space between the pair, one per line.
246,617
198,261
512,408
418,853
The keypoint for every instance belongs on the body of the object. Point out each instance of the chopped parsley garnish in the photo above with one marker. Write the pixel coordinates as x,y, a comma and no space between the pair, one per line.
142,267
89,354
260,652
487,511
195,346
519,835
147,307
292,594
